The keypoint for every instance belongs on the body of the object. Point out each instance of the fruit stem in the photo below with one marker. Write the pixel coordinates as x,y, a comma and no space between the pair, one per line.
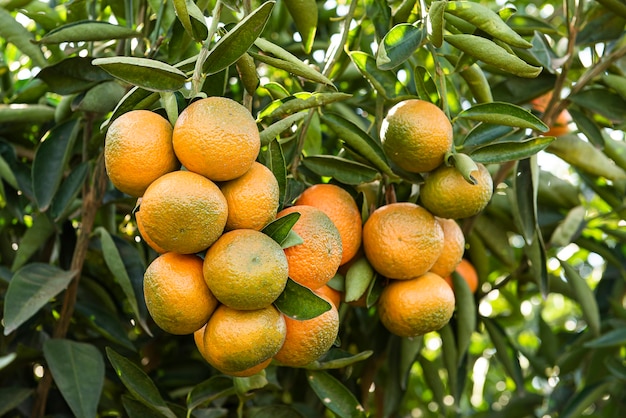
197,79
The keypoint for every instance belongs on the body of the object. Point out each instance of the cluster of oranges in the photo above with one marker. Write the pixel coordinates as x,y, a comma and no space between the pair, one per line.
204,201
418,245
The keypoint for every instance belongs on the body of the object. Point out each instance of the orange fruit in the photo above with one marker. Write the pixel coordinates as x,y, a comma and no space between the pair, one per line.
198,338
307,340
466,270
559,127
176,295
315,261
416,135
402,240
236,341
453,248
183,212
216,137
409,308
341,208
447,194
252,198
144,236
138,150
246,269
330,294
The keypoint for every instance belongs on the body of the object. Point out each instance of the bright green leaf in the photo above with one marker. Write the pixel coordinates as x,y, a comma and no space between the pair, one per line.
398,45
146,73
87,31
29,290
502,113
299,302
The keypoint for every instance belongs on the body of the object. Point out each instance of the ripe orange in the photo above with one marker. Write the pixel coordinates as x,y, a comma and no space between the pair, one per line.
138,150
183,212
466,270
252,198
409,308
307,340
144,236
341,208
176,295
246,269
402,240
447,194
315,261
198,338
453,248
236,341
559,127
216,137
416,135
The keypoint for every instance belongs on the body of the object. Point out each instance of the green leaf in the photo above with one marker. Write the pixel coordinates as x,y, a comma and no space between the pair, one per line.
487,20
341,169
192,19
25,113
101,98
114,262
298,102
436,18
297,68
105,322
569,229
336,358
87,31
525,185
511,151
602,101
616,82
450,356
502,113
485,133
616,367
425,85
208,391
146,73
430,371
305,16
398,45
12,397
78,371
68,190
358,141
51,159
136,98
299,302
384,82
493,54
277,411
276,163
13,32
465,314
280,228
504,351
584,296
29,290
334,395
238,40
614,338
73,75
581,400
33,239
275,129
587,126
138,383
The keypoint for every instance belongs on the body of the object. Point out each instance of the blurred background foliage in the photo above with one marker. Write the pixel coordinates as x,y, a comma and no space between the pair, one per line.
543,336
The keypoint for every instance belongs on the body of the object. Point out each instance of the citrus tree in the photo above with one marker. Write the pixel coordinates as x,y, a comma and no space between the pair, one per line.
535,96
